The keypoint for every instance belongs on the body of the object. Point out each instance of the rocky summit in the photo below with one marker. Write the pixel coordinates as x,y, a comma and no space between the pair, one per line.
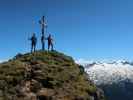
45,75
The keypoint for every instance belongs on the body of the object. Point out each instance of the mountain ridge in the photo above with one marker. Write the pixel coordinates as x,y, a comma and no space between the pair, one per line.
115,78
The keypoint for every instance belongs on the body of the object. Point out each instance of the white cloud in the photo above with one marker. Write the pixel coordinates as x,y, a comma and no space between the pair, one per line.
83,61
2,61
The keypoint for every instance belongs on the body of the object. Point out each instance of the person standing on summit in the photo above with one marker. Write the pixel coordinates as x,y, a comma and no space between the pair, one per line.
33,42
50,42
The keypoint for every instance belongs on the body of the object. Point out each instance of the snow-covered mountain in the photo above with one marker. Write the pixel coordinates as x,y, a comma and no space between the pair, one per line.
111,72
115,78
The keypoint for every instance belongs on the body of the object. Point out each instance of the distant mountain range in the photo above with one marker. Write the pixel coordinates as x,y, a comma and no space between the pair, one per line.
115,78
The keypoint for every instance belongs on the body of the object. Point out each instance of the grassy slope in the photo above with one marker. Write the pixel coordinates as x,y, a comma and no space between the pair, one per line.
53,71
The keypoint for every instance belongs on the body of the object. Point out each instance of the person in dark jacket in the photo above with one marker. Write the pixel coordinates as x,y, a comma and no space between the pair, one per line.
33,42
50,42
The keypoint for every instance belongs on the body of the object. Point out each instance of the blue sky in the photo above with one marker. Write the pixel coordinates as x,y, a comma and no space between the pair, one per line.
89,29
